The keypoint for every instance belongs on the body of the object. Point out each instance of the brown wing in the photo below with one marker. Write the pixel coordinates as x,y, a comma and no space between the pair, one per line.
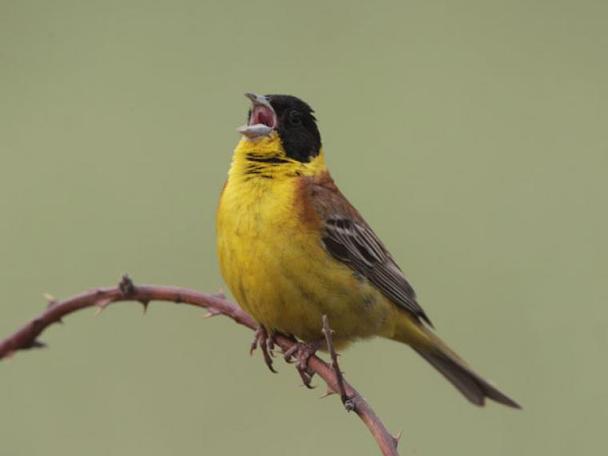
349,239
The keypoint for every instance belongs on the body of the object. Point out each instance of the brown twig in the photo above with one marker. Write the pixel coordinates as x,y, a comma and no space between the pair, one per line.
27,337
349,405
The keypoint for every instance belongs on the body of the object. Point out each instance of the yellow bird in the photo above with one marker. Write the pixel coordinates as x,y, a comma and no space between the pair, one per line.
292,249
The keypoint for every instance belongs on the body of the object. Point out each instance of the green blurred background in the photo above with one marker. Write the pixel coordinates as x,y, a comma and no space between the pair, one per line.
472,135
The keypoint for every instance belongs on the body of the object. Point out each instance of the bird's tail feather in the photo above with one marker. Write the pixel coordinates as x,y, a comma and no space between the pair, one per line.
428,345
471,385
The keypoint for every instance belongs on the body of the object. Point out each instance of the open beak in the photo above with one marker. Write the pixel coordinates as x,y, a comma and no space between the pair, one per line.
262,120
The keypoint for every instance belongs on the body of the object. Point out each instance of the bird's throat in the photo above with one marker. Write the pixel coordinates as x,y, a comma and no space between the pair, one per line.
262,160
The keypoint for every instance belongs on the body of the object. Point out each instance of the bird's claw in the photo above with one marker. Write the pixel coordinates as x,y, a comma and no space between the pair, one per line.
266,343
301,352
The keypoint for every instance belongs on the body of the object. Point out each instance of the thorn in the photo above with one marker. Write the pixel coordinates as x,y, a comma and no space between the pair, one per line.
145,304
101,306
33,344
126,285
37,344
327,393
50,299
211,312
397,438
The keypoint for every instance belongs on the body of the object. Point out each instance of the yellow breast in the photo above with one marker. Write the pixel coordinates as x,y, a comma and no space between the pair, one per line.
276,266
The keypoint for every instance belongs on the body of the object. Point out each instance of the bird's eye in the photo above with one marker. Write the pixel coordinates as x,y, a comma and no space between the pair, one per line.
294,118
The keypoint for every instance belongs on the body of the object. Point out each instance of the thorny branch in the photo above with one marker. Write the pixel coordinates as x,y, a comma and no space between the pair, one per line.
27,337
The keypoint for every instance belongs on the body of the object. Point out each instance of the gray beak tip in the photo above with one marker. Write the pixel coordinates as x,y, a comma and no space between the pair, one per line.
254,131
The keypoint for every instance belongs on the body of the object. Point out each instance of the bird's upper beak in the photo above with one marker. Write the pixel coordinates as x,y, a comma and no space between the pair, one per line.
263,119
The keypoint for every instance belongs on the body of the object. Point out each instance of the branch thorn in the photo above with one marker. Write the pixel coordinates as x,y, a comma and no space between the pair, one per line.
329,392
397,438
36,344
101,305
50,299
211,312
145,305
348,401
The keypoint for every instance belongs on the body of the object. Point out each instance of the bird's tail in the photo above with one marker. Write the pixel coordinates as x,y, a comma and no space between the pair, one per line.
450,365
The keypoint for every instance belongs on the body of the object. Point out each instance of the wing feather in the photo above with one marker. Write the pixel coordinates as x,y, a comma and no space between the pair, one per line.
355,244
350,240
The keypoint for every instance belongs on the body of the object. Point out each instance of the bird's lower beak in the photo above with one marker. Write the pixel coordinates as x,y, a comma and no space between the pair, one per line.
262,118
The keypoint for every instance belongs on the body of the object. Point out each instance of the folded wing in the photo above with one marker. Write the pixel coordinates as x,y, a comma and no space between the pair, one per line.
354,243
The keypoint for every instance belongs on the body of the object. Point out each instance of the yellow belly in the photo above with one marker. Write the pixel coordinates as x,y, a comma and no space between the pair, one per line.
279,272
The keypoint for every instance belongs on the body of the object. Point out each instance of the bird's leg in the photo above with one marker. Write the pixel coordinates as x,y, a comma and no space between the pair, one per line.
348,402
302,352
266,343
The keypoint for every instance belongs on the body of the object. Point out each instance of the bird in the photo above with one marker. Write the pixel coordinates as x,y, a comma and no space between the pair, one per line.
292,249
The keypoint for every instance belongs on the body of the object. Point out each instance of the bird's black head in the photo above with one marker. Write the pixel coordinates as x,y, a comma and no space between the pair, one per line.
296,126
293,120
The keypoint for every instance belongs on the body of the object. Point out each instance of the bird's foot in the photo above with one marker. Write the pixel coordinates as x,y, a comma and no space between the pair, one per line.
347,400
301,352
266,343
